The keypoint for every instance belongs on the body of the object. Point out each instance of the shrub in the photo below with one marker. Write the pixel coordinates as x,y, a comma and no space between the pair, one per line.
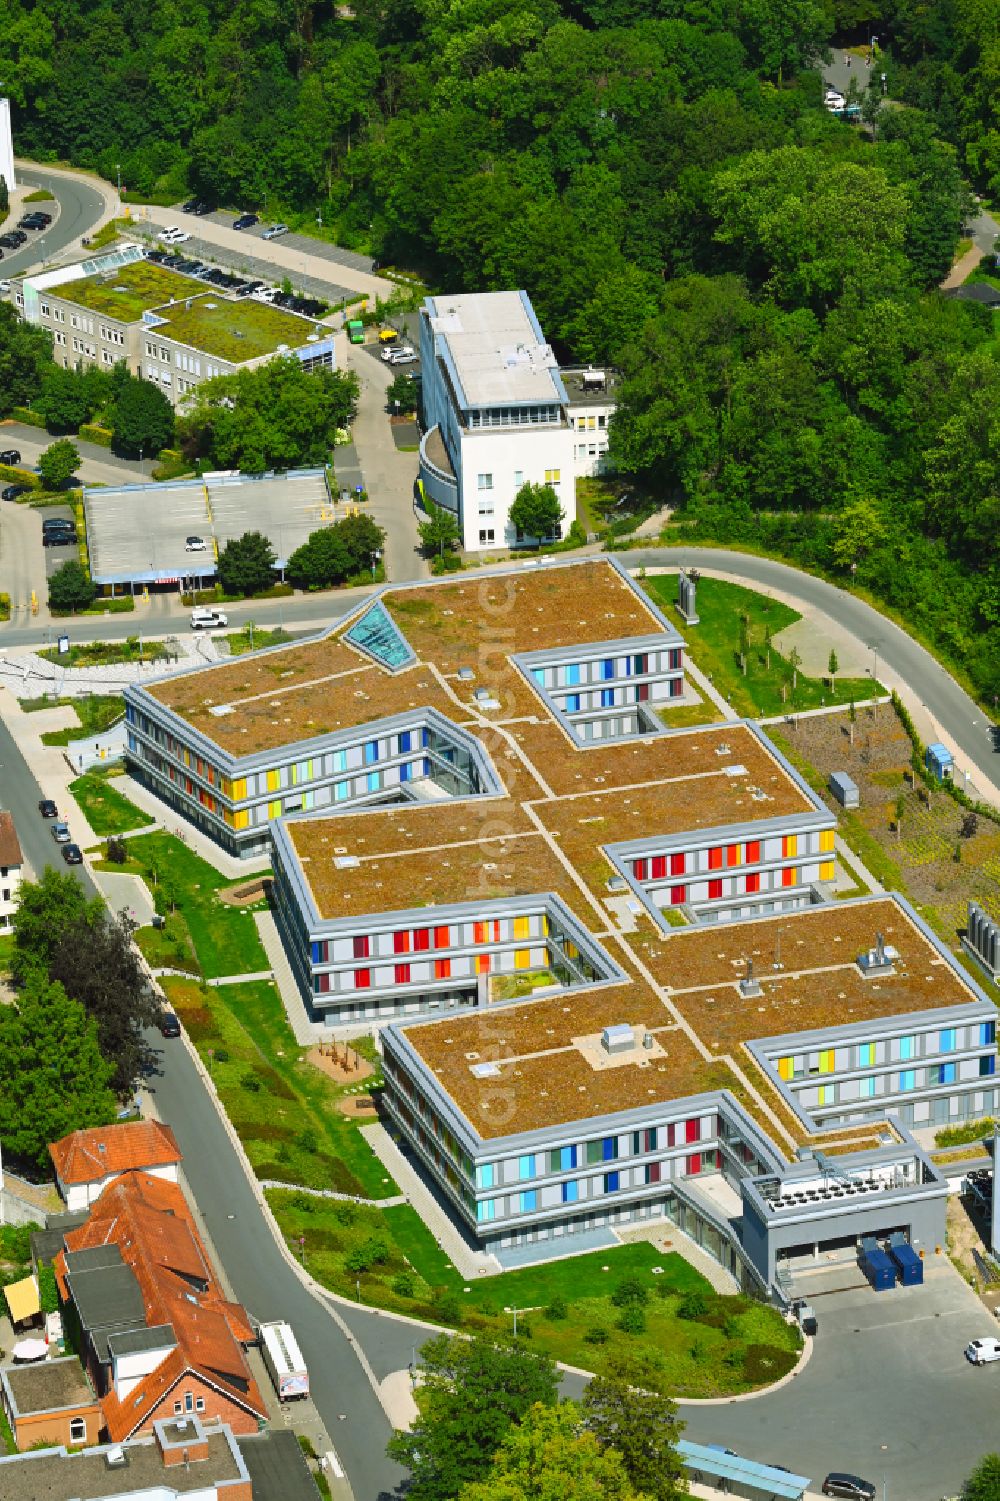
693,1304
628,1291
767,1363
596,1336
250,1082
557,1309
307,1140
448,1306
632,1319
222,1056
344,1213
372,1252
117,851
404,1285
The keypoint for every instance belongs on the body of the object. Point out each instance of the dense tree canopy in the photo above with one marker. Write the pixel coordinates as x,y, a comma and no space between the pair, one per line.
275,416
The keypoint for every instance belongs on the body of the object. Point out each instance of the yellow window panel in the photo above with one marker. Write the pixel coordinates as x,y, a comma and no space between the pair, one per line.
242,818
239,789
826,1061
826,841
791,844
273,781
228,816
522,927
571,949
784,1068
225,787
274,809
826,870
522,958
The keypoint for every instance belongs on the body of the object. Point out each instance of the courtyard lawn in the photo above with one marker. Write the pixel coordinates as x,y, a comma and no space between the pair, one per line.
285,1110
96,713
224,938
256,640
107,810
169,947
729,612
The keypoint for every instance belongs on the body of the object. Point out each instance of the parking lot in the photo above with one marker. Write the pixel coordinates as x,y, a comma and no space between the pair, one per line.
887,1392
248,264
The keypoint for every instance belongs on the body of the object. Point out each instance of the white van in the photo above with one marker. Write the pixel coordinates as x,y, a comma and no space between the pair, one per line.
204,620
982,1351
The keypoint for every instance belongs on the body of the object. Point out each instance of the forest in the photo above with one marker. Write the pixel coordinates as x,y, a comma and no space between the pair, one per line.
663,178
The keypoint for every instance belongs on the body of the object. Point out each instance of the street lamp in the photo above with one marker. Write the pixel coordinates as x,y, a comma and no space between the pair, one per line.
118,170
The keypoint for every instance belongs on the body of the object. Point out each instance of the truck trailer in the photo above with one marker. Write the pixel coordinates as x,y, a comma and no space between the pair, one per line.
283,1359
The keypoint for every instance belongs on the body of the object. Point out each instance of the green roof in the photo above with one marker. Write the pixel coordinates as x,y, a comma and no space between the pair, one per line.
234,330
126,293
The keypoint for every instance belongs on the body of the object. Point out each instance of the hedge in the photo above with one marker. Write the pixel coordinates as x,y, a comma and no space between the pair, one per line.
948,784
25,414
92,432
4,606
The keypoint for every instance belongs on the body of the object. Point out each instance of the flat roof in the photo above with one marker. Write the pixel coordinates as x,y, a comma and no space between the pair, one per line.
495,349
277,1466
49,1385
126,292
234,328
54,1475
137,533
582,393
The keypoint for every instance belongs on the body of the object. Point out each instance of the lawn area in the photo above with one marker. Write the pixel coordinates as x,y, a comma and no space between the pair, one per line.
107,810
6,949
224,938
682,716
108,653
699,1344
285,1110
169,947
256,640
96,713
726,611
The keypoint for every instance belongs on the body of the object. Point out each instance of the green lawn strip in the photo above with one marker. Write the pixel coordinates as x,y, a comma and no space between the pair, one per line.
714,646
6,949
256,640
225,938
284,1109
420,1248
585,1277
107,810
108,653
169,947
97,712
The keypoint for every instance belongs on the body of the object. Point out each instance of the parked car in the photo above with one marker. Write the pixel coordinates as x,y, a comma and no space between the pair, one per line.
57,524
47,808
851,1486
13,239
982,1351
201,208
173,235
11,492
203,619
10,456
59,537
274,231
195,544
169,1025
60,832
407,355
245,221
72,854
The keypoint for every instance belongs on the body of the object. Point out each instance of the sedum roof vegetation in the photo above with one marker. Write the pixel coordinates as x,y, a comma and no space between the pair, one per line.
234,329
126,293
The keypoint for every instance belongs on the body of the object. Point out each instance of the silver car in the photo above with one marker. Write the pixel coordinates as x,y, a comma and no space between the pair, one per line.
60,832
274,231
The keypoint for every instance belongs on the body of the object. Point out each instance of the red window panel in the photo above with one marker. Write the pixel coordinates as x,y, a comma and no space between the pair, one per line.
715,858
692,1130
362,979
324,983
653,1172
659,867
753,882
479,932
677,865
714,890
361,946
442,938
402,974
732,854
785,846
421,939
442,969
694,1163
401,942
788,876
678,894
753,852
671,1135
641,870
496,931
642,693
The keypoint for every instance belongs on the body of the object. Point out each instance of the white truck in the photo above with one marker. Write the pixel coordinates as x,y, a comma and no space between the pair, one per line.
283,1359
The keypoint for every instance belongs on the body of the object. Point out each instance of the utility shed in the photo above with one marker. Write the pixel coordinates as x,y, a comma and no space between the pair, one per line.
844,789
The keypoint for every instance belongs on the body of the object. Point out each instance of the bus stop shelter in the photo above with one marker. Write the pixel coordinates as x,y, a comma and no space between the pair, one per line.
733,1476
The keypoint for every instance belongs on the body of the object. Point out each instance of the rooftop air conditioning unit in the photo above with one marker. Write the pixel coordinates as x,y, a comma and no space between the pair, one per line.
116,1458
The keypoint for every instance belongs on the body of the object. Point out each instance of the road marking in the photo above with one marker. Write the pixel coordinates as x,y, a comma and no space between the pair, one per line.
334,1464
923,1318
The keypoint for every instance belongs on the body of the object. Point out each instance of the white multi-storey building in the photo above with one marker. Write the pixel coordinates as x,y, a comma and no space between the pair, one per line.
11,866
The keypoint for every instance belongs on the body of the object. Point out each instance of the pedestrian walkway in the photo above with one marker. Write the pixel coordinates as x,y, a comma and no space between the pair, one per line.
389,476
166,818
34,676
467,1261
307,1032
124,892
48,762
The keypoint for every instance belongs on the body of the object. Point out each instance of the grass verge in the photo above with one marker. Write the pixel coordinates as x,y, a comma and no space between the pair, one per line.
96,713
107,810
108,653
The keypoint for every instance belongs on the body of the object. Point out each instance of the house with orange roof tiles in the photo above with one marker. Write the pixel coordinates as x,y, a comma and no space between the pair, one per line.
87,1161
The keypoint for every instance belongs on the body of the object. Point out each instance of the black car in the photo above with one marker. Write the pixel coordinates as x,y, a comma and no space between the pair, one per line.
71,853
245,221
198,206
11,492
63,537
10,456
169,1025
58,524
47,808
13,240
851,1486
190,206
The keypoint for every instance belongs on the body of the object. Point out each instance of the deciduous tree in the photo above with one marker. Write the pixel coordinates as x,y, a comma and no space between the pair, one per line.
551,1456
58,463
536,512
71,588
246,564
625,1413
439,533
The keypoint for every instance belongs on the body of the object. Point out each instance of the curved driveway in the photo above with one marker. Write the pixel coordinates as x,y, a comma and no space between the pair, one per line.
81,207
901,660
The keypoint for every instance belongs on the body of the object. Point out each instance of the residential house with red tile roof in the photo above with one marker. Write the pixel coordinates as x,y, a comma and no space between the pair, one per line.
157,1335
87,1161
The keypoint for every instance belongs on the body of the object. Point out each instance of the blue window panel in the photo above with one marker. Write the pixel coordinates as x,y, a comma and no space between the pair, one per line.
486,1209
132,741
567,1159
987,1034
866,1054
946,1073
129,714
425,739
404,742
427,766
947,1041
609,1148
572,674
341,790
529,1200
374,781
868,1087
906,1048
405,771
611,1181
538,673
572,703
988,1066
340,760
376,634
371,752
484,1174
607,698
526,1166
316,950
607,668
570,1191
908,1079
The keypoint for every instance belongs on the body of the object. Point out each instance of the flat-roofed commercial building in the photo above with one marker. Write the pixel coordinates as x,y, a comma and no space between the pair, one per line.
164,324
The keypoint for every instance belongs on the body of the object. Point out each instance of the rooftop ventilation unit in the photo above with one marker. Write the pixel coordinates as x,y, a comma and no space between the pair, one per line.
219,710
750,985
618,1039
878,960
736,770
116,1458
465,674
346,862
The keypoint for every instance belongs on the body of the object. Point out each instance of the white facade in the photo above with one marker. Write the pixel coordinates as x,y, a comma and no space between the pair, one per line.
82,1195
591,406
11,871
494,467
6,146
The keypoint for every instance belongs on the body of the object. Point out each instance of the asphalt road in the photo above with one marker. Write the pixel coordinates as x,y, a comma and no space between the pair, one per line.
80,208
97,465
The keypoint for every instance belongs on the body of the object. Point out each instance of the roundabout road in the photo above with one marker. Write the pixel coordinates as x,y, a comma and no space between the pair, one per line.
81,207
900,659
